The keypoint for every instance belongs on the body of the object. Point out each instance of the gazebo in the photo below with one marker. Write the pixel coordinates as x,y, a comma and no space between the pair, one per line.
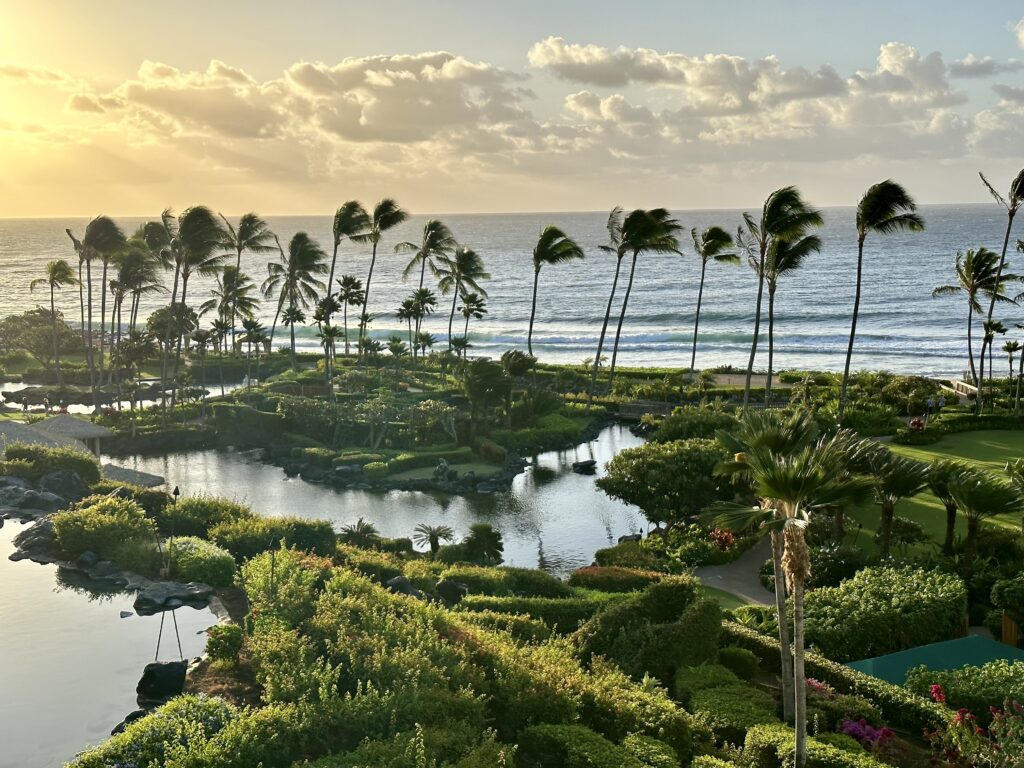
16,432
68,426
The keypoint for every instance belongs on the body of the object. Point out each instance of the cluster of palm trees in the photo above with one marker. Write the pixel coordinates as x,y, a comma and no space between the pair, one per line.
795,475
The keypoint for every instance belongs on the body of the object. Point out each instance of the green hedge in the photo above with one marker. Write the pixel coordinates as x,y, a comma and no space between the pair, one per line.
521,627
247,538
224,642
153,500
244,425
564,614
773,746
379,566
883,610
195,559
732,710
613,578
196,515
551,432
508,581
899,706
629,554
103,527
44,460
414,459
571,746
490,451
741,661
973,688
691,680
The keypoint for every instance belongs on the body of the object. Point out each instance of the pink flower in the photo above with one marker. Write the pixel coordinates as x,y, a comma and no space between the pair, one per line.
938,694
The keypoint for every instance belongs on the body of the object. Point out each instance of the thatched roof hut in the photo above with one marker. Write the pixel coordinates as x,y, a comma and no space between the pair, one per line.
67,426
16,432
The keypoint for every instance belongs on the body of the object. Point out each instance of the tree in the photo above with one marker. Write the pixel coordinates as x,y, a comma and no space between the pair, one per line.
461,271
350,294
671,482
980,496
1011,347
134,351
885,208
990,328
485,385
232,297
386,215
616,248
977,275
1012,204
423,303
291,317
784,216
329,335
221,328
652,231
361,533
940,482
516,364
483,545
473,306
431,536
295,276
349,220
407,312
253,234
202,338
711,245
894,477
255,335
436,243
58,274
553,247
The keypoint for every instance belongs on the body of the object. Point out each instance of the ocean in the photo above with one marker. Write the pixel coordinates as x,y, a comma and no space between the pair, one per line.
901,328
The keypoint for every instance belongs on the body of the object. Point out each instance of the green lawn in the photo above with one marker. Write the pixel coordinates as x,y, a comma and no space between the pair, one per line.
727,600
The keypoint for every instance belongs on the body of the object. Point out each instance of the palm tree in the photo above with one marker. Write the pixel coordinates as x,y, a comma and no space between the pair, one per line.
652,231
425,341
398,349
386,215
431,536
202,338
58,274
785,256
291,317
895,478
885,208
516,364
553,247
221,328
361,533
710,245
464,269
483,544
294,276
102,239
616,248
254,335
407,312
350,294
329,335
1012,204
1011,347
436,243
473,306
977,274
460,346
990,329
253,234
1020,374
134,351
349,220
232,297
424,302
981,495
784,216
940,482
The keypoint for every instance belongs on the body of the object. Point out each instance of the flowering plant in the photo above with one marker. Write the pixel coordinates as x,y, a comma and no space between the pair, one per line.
964,743
871,738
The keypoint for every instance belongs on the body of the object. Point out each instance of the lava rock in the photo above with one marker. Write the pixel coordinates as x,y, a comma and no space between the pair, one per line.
130,718
161,680
86,560
66,484
451,592
165,595
630,537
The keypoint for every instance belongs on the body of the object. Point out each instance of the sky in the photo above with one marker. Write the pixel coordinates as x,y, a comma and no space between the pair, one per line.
127,108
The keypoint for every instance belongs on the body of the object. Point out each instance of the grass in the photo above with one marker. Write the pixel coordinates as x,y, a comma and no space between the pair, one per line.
727,600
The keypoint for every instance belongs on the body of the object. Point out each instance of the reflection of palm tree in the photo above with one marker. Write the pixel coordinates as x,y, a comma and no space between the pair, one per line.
350,294
58,274
432,535
553,247
710,245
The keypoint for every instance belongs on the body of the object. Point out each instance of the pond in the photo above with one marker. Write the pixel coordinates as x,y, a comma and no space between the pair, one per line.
551,518
70,664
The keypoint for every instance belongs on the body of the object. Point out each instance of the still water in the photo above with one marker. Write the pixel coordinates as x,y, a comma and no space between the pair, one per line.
70,664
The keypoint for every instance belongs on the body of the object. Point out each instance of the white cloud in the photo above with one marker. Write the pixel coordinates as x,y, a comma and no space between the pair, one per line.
983,66
37,75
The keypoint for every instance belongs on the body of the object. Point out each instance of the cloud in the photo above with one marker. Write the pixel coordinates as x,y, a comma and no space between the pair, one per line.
1009,94
986,66
37,75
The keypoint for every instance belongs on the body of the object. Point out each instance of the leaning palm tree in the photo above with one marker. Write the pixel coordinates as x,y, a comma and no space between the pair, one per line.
431,536
294,277
553,247
940,482
291,317
456,273
710,245
58,274
349,220
652,231
1012,204
350,294
386,215
252,234
473,306
980,496
435,244
885,208
616,248
784,216
977,275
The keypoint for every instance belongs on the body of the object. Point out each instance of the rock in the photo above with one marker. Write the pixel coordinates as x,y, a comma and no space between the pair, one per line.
86,560
586,467
451,592
161,680
160,596
38,539
104,569
631,537
9,481
126,614
255,454
130,718
452,475
399,585
66,484
52,501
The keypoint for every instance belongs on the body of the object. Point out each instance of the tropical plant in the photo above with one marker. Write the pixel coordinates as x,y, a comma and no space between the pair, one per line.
349,220
294,278
202,339
423,303
329,336
435,244
614,247
485,386
553,247
1011,347
940,480
432,535
784,216
361,533
990,329
291,317
516,364
386,215
134,351
710,245
473,306
980,495
231,298
252,234
483,544
58,274
407,312
463,270
894,477
885,208
350,294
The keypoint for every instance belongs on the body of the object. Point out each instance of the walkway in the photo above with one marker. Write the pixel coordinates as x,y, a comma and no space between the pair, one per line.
740,576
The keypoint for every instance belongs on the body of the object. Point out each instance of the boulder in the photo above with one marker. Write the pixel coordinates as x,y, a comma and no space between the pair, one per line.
37,540
86,560
130,718
160,596
451,592
631,537
161,680
66,484
402,586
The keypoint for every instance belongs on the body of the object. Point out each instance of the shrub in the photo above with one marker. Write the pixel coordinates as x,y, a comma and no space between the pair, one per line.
1008,594
739,660
480,580
196,515
102,527
612,578
629,554
244,425
224,642
772,746
707,761
732,710
534,582
571,746
520,627
195,559
690,680
490,451
412,460
284,583
550,432
44,460
359,457
247,538
973,688
375,469
152,500
17,468
882,610
690,421
650,752
317,456
379,566
564,614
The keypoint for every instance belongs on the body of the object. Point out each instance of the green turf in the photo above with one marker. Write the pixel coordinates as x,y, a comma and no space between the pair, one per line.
727,600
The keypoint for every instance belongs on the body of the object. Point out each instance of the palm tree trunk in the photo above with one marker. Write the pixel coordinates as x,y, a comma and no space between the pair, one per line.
970,546
622,319
202,375
1020,374
292,329
234,299
344,319
81,303
992,299
947,544
757,330
451,316
103,312
696,317
91,359
177,351
784,645
220,366
166,345
799,675
533,311
970,342
885,536
330,276
771,345
604,330
366,295
853,329
56,346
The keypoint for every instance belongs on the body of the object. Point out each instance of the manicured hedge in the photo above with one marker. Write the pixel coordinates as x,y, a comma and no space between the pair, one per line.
224,642
691,680
244,425
196,515
521,627
772,746
412,460
571,746
195,559
883,610
103,527
247,538
44,460
379,566
629,554
508,581
563,614
690,421
973,688
741,661
613,578
732,710
153,500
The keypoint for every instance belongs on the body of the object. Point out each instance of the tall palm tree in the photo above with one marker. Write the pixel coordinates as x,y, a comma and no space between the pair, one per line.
940,483
785,257
291,317
294,277
435,244
979,496
386,215
1011,347
977,275
652,231
616,248
885,208
232,297
329,335
255,336
252,234
989,328
473,306
139,273
350,294
894,478
461,271
424,302
431,536
516,364
1012,204
58,274
134,351
710,245
102,239
553,247
202,337
221,328
407,312
350,219
784,216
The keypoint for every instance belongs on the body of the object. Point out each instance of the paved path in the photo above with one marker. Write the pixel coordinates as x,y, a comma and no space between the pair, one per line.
740,576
